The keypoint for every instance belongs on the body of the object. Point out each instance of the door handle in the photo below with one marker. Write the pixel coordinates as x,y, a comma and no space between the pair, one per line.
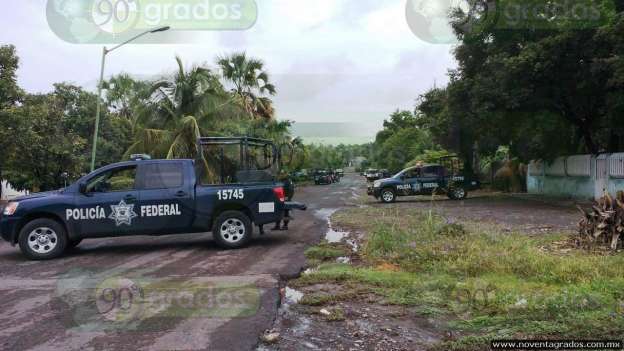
130,198
180,194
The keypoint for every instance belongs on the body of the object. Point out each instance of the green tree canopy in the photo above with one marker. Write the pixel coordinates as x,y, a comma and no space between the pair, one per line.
548,89
251,83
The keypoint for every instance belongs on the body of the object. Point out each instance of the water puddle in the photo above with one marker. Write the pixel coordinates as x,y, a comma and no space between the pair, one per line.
325,213
292,296
343,260
331,236
334,237
353,244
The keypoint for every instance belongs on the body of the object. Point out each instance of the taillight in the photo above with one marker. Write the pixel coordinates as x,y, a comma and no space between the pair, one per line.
280,194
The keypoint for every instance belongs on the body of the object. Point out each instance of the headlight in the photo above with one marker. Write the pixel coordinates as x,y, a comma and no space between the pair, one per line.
376,184
10,209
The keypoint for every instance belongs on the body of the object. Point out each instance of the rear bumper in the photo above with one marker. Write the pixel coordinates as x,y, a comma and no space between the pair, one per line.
280,213
295,206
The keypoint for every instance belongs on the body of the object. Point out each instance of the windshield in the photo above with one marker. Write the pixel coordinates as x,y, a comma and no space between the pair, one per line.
398,175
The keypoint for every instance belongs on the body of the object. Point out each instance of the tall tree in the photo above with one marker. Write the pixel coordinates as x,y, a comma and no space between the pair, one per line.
47,147
545,86
9,63
178,109
10,94
400,141
251,83
125,95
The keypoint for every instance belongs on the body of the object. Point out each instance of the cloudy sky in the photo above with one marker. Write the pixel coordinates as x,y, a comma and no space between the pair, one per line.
348,61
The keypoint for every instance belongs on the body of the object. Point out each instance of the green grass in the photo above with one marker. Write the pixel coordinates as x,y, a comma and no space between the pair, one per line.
489,284
322,299
324,252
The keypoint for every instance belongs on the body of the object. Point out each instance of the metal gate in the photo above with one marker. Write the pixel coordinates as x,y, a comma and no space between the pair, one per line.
601,175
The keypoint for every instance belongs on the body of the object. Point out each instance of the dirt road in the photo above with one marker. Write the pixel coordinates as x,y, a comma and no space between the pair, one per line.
78,302
184,293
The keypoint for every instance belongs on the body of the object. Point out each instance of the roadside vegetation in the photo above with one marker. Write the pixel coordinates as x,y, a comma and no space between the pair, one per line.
484,283
46,135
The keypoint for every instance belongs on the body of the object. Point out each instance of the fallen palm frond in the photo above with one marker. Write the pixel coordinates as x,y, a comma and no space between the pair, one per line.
603,225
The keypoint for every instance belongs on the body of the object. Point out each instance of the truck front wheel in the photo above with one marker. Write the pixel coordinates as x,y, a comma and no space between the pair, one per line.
42,239
232,230
388,196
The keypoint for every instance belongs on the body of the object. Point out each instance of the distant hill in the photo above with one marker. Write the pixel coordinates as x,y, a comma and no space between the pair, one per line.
335,133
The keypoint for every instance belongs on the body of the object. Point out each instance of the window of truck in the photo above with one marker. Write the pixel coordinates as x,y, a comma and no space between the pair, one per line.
162,175
114,180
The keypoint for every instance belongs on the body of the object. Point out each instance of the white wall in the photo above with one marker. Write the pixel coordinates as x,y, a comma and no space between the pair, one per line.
579,176
9,193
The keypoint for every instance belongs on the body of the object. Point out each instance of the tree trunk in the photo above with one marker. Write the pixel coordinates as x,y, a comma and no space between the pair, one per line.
588,138
0,181
614,142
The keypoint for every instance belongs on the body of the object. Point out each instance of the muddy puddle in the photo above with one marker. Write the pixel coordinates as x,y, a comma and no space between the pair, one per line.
292,296
333,236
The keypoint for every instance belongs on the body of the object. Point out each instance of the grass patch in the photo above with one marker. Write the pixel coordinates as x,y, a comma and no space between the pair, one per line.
321,299
336,314
325,252
490,284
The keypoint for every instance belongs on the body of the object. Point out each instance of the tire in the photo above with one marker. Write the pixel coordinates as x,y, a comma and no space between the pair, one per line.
43,239
232,230
388,196
458,193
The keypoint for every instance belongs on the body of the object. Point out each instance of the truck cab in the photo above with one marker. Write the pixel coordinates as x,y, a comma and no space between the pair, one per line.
147,197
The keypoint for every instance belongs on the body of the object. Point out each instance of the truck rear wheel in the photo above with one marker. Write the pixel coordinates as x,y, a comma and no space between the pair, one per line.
232,230
42,239
457,193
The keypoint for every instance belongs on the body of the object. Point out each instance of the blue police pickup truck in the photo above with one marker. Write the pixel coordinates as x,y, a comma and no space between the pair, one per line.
144,197
424,180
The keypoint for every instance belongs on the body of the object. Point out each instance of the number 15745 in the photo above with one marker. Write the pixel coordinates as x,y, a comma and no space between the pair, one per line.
229,194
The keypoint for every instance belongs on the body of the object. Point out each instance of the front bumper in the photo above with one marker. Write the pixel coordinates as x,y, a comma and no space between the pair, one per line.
8,228
372,191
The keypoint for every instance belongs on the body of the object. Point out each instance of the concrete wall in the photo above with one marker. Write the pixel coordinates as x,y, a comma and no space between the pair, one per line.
8,192
579,176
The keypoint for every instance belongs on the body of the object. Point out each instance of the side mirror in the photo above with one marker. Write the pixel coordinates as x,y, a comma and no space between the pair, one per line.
82,188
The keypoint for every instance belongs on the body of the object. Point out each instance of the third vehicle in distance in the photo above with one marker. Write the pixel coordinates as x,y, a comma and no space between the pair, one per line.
424,180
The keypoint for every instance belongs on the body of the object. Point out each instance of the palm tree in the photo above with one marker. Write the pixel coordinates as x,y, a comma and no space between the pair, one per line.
250,83
126,94
172,120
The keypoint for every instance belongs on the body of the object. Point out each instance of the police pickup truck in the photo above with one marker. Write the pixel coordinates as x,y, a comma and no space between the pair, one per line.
144,197
423,180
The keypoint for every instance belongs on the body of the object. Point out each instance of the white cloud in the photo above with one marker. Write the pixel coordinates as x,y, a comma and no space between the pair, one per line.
332,60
